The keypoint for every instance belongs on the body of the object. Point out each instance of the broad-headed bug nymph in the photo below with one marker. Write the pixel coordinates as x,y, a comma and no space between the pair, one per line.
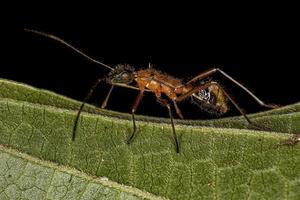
202,90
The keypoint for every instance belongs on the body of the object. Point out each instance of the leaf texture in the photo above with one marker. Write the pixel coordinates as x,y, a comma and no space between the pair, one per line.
219,159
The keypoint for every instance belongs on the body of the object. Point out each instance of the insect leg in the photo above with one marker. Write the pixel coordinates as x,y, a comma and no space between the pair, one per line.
167,105
233,102
107,97
88,96
134,107
214,70
192,91
178,111
259,127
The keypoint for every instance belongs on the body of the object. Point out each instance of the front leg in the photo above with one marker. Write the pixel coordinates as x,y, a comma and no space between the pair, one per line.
134,107
88,96
104,104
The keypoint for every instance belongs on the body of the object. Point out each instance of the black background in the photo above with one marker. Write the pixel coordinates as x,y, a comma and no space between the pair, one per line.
258,47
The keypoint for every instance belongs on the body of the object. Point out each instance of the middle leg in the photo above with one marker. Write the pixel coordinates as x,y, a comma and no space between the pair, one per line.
178,111
167,105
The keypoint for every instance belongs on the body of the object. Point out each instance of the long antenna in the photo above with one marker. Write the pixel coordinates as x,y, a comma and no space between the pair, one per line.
68,45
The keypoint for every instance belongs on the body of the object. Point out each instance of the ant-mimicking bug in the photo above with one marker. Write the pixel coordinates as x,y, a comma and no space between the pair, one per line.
205,92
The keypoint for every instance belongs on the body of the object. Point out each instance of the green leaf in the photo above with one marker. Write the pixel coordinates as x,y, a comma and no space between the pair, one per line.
214,163
25,177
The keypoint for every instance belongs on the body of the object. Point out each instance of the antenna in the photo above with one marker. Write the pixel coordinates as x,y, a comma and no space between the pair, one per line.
68,45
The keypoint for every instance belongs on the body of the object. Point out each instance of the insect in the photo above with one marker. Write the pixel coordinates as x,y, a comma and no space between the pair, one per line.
169,91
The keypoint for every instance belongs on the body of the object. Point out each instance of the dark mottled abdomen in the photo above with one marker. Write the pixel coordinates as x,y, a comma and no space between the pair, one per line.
211,99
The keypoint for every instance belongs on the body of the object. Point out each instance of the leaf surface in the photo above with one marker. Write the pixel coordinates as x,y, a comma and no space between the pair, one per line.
214,163
25,177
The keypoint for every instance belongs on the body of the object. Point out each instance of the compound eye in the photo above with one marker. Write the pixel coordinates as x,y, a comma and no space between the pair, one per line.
125,75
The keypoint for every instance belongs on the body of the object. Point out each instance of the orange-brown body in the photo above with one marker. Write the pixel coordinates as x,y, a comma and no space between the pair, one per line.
160,83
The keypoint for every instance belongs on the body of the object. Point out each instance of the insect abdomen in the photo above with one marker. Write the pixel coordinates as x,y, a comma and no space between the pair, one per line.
211,99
